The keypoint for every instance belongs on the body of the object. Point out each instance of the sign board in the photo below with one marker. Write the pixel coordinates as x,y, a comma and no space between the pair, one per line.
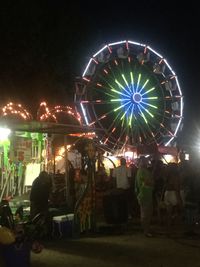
32,172
21,149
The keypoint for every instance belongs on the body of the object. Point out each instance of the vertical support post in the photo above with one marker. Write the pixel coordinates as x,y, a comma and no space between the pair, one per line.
67,178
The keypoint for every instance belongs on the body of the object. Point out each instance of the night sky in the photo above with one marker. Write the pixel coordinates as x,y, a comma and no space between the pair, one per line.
44,45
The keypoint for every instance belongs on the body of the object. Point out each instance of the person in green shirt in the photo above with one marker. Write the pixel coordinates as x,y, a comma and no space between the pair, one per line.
144,192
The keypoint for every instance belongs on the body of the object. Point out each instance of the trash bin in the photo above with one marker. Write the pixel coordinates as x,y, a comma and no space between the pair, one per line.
63,225
115,207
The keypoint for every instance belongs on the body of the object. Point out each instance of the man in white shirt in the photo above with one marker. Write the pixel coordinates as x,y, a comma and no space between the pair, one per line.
122,175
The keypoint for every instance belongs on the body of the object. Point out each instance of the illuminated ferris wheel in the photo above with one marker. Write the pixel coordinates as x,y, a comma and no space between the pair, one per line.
130,92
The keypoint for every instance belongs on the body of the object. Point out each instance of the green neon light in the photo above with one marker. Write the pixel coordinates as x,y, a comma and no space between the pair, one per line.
118,92
150,105
130,120
153,88
138,82
126,111
123,116
152,97
119,107
148,112
115,100
119,84
132,81
143,116
131,117
144,85
125,80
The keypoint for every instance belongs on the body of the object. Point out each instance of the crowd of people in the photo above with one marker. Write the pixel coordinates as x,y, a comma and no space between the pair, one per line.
168,194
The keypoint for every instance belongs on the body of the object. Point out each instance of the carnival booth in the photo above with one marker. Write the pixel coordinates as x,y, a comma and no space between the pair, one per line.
21,162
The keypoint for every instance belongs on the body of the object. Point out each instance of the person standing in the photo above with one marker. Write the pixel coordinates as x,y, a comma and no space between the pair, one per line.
144,192
39,195
173,196
122,175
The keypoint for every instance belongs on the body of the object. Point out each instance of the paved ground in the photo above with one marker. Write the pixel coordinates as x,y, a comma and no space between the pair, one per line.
129,249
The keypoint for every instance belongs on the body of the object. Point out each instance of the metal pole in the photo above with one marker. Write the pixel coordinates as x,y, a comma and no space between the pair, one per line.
67,182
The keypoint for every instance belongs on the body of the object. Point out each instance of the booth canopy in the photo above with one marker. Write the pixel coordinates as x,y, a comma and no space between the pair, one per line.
44,127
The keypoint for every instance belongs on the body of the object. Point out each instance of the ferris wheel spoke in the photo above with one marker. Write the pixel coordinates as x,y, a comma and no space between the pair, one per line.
132,82
109,137
150,98
115,80
118,92
147,111
113,124
144,85
131,116
148,91
149,130
120,137
149,123
168,131
150,105
146,107
98,102
138,82
152,115
121,86
140,130
105,116
111,88
125,113
143,116
127,84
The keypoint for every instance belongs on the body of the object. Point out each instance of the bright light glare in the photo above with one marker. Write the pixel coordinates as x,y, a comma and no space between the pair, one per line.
4,133
169,158
129,154
187,156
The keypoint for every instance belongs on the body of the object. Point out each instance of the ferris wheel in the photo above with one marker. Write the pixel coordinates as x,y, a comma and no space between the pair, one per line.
131,92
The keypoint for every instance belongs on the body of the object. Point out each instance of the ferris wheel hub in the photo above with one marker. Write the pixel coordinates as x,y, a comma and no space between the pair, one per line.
137,98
